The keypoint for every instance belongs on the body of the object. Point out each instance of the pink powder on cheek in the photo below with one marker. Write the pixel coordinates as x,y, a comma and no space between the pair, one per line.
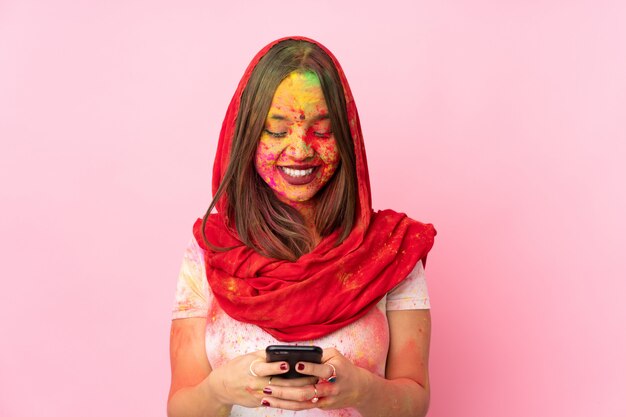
330,156
326,149
327,173
266,152
265,163
271,152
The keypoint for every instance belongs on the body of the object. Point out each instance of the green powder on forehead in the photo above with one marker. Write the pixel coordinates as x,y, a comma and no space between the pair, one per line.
310,78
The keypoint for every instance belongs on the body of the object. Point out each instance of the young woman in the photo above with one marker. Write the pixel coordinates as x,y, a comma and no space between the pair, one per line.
294,254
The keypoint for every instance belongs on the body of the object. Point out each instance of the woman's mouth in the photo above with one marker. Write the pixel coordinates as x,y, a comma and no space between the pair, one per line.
298,175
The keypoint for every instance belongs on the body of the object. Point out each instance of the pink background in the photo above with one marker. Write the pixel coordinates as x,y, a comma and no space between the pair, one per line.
501,122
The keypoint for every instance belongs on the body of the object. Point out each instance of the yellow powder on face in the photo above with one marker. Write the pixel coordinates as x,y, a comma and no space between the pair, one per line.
297,131
299,92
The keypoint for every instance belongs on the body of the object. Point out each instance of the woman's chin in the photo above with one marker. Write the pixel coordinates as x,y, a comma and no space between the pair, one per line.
294,198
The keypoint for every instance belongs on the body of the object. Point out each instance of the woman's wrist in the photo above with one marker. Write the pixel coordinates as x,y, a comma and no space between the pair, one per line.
365,389
384,397
213,387
198,400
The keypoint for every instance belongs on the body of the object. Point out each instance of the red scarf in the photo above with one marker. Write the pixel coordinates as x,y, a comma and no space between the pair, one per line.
327,288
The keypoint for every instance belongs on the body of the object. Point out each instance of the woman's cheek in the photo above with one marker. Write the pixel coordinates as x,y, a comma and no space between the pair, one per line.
266,154
328,172
330,165
328,152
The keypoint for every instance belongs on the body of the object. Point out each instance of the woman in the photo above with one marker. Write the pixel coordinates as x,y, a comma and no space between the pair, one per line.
295,254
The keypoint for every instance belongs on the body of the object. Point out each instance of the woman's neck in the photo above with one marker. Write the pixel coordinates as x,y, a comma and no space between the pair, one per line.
307,211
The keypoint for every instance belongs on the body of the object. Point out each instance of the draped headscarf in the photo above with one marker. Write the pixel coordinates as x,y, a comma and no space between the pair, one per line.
327,288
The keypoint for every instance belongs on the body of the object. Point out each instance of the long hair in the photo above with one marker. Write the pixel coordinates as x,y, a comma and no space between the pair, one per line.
262,221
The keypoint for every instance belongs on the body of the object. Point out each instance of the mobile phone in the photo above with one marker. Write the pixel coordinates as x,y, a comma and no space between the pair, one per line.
292,355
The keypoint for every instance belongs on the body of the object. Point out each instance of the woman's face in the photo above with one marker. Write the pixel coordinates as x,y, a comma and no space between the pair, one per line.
297,153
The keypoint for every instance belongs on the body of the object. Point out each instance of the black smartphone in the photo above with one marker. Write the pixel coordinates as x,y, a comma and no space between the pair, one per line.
292,355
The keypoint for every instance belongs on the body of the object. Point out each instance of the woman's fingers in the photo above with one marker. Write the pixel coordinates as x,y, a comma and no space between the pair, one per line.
327,390
294,382
300,393
323,370
299,398
258,367
286,404
305,393
291,393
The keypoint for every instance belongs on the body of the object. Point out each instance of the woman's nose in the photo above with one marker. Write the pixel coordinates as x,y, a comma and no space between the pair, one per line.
298,148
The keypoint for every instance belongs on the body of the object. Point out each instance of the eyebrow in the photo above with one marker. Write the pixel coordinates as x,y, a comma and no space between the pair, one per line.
314,119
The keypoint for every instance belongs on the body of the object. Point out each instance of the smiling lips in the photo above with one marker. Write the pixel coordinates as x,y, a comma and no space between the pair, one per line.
298,175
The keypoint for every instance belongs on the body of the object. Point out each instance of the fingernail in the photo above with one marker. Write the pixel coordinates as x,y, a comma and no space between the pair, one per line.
283,366
267,390
265,403
300,366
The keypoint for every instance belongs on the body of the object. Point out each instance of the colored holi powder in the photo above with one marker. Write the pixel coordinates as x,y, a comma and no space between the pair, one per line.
372,331
409,349
305,88
297,132
214,311
231,285
348,281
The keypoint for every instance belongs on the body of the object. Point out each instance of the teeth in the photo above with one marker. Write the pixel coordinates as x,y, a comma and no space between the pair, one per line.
297,172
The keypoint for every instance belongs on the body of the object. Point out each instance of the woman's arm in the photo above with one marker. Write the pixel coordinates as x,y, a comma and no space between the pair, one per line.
406,390
191,393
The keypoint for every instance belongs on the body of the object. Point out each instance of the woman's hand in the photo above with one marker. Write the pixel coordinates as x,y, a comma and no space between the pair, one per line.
241,381
350,386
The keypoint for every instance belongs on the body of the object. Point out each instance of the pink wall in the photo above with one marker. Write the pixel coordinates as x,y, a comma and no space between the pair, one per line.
502,122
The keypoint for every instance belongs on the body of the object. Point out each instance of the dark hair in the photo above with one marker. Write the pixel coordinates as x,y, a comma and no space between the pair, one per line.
263,222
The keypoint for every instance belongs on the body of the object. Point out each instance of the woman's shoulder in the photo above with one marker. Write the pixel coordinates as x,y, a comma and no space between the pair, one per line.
411,293
192,293
194,249
390,215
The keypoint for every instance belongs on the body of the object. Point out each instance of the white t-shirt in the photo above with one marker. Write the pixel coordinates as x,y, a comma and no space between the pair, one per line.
365,342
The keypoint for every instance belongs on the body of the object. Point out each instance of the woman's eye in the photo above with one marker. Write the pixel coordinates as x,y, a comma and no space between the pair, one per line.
276,134
324,135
